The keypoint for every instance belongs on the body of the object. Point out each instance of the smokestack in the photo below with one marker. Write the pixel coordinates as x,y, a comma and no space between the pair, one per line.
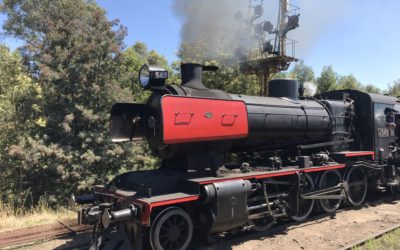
192,75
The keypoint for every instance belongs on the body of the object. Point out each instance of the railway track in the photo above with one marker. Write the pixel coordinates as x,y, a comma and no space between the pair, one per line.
39,234
374,237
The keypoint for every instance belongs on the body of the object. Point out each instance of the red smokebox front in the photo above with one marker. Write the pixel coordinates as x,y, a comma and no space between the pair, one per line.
188,119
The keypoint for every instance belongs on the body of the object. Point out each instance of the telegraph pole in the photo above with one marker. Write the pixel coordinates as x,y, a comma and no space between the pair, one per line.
283,9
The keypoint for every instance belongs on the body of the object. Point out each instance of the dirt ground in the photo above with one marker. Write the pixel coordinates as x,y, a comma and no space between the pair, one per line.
322,233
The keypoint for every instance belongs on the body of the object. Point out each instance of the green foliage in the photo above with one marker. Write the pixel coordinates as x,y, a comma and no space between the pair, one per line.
389,241
348,82
302,72
228,77
369,88
20,110
133,58
281,74
75,54
394,89
330,80
327,80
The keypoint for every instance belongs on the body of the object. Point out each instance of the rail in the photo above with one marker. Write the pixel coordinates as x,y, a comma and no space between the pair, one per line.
378,235
39,233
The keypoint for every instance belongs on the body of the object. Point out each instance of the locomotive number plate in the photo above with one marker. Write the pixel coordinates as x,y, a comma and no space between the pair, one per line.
383,132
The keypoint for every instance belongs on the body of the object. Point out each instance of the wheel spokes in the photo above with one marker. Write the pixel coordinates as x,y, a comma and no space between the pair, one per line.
171,230
357,182
305,206
329,179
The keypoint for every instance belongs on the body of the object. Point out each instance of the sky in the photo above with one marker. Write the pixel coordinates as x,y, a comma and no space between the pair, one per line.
359,37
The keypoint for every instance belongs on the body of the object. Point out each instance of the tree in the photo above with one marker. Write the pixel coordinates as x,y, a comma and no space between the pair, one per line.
302,72
74,52
195,52
20,98
349,82
394,89
282,74
133,58
327,80
228,77
369,88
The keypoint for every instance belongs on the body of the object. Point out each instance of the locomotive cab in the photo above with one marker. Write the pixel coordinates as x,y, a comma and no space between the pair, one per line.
372,114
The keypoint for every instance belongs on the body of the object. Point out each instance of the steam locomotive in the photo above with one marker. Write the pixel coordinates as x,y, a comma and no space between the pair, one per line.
235,161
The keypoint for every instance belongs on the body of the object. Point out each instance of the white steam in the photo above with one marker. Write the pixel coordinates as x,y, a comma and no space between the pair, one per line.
212,22
310,88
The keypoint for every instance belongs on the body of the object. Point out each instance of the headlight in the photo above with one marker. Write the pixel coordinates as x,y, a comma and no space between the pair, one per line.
151,77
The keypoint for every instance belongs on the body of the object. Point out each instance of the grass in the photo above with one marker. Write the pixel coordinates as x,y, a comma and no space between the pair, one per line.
9,223
12,218
390,241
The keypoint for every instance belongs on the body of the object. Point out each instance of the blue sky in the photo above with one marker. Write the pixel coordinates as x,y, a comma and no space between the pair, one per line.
359,37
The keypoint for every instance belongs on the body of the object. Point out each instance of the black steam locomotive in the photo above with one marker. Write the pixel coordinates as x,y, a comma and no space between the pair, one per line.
236,161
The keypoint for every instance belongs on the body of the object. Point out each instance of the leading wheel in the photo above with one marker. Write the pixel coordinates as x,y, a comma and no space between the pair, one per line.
172,229
357,182
329,179
305,206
